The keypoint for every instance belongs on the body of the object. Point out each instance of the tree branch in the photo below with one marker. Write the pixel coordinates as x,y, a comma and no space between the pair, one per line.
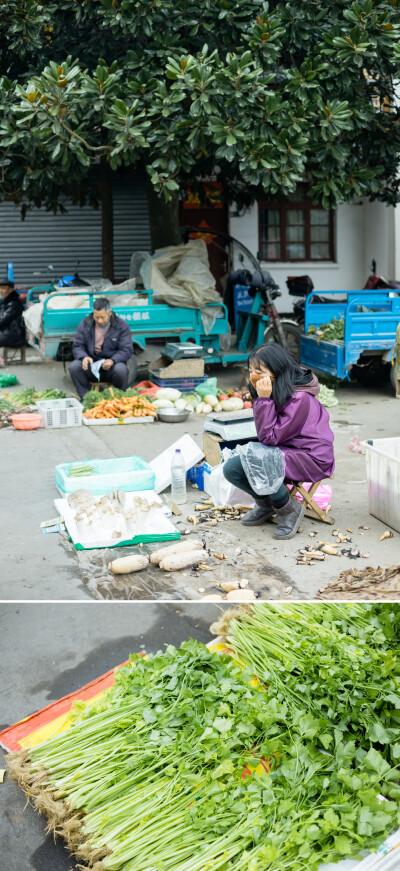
98,148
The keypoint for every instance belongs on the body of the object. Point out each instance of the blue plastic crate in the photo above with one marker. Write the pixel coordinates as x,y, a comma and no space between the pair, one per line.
196,475
185,385
121,473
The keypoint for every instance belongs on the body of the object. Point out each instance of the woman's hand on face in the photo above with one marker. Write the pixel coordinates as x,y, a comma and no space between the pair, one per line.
264,387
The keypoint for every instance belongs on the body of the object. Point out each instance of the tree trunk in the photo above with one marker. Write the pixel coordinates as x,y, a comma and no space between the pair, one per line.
163,218
107,220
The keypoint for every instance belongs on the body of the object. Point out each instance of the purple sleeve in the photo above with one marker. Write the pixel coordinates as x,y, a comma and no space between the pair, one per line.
125,347
278,427
79,348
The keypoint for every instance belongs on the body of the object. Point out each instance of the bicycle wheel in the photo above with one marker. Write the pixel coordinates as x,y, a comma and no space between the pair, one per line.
292,334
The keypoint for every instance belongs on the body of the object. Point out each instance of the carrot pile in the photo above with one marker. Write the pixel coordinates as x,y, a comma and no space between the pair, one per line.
125,406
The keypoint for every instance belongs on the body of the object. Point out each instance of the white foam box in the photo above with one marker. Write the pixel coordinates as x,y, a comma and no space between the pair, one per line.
161,465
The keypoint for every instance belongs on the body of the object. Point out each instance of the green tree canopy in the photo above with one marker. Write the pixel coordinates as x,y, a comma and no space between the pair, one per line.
262,95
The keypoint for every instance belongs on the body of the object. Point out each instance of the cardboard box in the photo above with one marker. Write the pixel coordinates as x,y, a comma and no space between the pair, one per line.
185,368
213,445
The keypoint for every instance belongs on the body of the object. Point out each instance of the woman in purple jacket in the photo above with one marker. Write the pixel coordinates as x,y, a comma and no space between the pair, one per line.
288,416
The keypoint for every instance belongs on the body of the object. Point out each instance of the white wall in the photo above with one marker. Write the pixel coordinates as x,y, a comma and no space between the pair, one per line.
363,231
379,238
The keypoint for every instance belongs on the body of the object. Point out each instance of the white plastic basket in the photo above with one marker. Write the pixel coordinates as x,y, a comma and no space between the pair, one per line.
383,479
60,412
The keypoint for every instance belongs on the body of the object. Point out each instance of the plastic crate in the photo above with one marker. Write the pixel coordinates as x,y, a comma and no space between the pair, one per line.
185,385
383,479
60,412
196,475
121,473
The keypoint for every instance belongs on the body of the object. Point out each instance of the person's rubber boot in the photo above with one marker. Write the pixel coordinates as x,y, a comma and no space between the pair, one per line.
289,519
262,512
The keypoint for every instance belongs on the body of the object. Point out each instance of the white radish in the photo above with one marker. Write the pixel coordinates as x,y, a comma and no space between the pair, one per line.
241,596
211,399
178,547
181,560
233,404
127,564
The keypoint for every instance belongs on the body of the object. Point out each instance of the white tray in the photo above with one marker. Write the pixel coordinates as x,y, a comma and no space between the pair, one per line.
112,421
163,531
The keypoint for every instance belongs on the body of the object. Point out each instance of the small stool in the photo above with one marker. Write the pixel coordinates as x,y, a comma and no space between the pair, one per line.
9,355
99,385
312,509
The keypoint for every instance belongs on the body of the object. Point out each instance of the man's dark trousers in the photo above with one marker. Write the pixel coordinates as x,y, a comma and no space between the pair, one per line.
117,376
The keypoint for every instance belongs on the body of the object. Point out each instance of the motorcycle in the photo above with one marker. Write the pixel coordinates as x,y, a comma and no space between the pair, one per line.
286,331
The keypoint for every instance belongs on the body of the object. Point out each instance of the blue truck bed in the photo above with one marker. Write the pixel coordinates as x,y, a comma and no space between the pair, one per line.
370,317
146,321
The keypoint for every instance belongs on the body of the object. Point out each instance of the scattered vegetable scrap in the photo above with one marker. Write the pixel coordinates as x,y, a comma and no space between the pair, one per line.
386,534
214,515
368,583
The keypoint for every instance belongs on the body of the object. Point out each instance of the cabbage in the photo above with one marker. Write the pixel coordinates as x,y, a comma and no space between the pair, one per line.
168,393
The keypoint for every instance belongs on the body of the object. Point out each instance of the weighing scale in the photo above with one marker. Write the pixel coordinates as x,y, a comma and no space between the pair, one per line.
231,425
181,350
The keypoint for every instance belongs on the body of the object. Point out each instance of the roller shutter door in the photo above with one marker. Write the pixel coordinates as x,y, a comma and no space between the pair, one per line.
61,240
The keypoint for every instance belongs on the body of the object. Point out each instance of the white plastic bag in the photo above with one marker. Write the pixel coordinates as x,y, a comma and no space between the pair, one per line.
33,318
222,491
264,466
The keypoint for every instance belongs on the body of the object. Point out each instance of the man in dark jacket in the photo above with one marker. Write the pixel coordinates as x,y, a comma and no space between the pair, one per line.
101,336
12,329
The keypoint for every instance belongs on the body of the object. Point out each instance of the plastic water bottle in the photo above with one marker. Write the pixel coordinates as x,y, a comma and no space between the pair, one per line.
178,478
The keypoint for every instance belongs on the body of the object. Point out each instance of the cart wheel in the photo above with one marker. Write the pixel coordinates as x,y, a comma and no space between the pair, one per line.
132,367
292,335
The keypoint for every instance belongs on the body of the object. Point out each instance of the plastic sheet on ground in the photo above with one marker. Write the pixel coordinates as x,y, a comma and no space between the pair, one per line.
181,276
242,561
368,584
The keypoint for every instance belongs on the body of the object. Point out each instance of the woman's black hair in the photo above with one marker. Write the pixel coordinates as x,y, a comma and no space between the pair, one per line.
284,366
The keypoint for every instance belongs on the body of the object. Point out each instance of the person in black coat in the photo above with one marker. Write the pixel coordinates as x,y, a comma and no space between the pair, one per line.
12,329
101,336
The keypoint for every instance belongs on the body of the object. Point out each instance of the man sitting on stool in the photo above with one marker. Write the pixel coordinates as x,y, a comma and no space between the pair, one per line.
102,335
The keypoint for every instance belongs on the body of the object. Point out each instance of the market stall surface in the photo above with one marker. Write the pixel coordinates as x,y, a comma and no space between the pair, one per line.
62,657
38,566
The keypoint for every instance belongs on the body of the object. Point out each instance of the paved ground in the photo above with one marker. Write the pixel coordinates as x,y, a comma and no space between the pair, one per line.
46,653
41,567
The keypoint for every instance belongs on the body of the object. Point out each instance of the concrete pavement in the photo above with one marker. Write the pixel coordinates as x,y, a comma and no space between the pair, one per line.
38,567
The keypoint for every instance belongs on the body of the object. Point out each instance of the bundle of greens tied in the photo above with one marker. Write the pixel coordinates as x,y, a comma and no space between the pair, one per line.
189,763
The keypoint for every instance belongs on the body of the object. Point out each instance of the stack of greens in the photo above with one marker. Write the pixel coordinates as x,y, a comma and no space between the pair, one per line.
335,664
162,772
326,396
333,331
80,470
30,395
